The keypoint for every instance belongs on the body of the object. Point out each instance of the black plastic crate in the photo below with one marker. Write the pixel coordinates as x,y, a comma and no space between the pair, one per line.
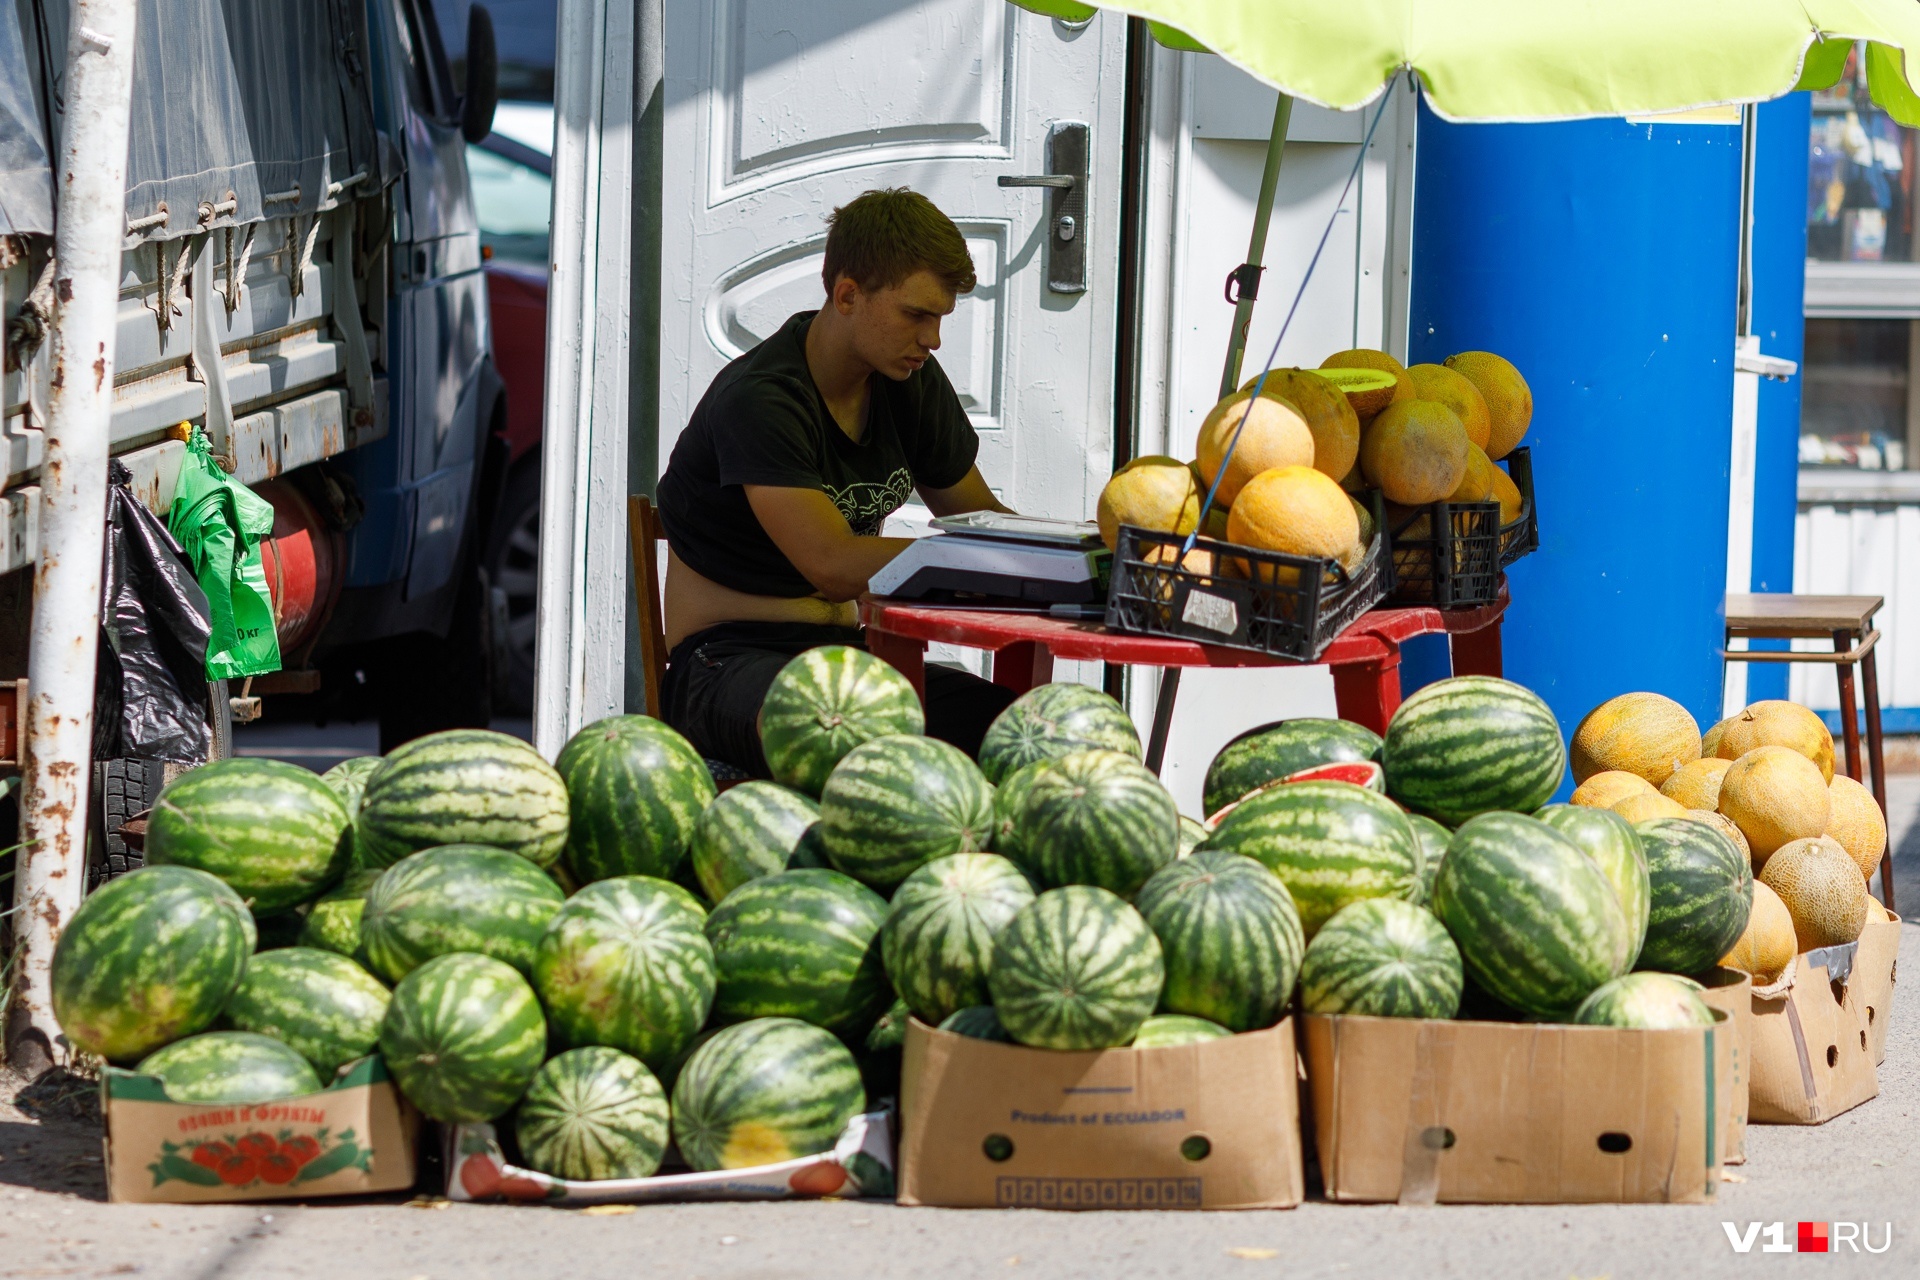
1294,619
1447,554
1523,534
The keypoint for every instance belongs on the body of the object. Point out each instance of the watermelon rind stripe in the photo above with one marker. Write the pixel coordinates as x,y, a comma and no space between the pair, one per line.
1076,969
230,1066
802,944
323,1005
1382,958
463,1037
1053,720
1273,751
940,926
898,802
1091,817
1470,745
273,831
463,897
592,1114
1700,895
1230,938
764,1091
635,789
826,702
462,786
750,830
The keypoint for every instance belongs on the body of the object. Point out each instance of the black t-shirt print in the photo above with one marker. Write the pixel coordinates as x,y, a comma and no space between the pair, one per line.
764,422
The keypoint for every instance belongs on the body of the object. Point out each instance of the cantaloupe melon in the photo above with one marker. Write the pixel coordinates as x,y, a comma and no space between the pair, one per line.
1646,734
1724,825
1368,391
1648,805
1442,385
1710,740
1696,784
1416,451
1366,358
1777,723
1608,787
1822,890
1364,514
1769,943
1296,510
1508,494
1777,796
1477,484
1508,399
1151,492
1854,821
1408,522
1276,435
1335,426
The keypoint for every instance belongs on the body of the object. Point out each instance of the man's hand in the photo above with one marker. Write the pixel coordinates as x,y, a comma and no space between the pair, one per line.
971,494
811,532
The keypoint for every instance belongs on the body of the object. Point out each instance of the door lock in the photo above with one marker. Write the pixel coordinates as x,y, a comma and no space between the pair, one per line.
1066,181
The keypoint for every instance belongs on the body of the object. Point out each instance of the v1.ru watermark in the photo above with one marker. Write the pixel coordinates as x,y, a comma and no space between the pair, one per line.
1812,1237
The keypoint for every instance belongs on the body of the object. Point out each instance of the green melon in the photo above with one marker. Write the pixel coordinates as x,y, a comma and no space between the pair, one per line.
463,897
898,802
272,831
1229,935
321,1004
1617,850
462,786
977,1023
1163,1030
1433,847
593,1114
1093,817
230,1066
1193,834
1647,1002
826,702
1053,720
332,923
1076,969
1470,745
1383,958
463,1037
751,830
349,780
889,1035
635,789
1701,891
1273,751
801,944
939,931
764,1091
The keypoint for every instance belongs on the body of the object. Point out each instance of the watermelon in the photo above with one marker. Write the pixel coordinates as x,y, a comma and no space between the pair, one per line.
1330,843
635,789
977,1023
1193,833
1617,850
1647,1002
1165,1029
1470,745
1383,958
230,1066
1230,938
889,1035
321,1004
272,831
939,931
1361,773
1433,846
462,786
463,897
149,957
1701,891
1093,817
333,922
1537,925
751,830
1076,969
1009,798
1053,720
626,963
897,802
462,1037
764,1091
593,1114
349,780
801,944
826,702
1272,751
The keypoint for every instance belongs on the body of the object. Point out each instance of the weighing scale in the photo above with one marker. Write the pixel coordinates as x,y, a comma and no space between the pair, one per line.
993,559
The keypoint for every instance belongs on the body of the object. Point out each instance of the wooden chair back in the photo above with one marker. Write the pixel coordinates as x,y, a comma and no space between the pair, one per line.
645,536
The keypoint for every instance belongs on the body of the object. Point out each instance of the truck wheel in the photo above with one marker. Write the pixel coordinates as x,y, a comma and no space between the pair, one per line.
513,567
123,788
424,683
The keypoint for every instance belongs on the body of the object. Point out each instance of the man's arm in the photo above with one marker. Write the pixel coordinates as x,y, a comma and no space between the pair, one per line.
971,494
811,532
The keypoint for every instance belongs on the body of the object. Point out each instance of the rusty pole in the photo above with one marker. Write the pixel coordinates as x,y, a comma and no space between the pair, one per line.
90,224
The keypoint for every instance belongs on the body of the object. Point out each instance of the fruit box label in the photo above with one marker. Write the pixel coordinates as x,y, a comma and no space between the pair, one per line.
352,1138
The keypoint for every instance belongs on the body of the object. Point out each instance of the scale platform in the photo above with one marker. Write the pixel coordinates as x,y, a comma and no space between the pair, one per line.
988,559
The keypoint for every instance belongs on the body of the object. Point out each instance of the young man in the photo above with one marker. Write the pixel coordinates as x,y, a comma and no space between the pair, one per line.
775,494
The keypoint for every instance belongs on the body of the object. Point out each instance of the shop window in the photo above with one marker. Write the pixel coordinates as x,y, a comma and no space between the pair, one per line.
1857,395
1859,177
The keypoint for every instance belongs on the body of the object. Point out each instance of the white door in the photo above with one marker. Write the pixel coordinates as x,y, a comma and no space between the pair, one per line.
777,112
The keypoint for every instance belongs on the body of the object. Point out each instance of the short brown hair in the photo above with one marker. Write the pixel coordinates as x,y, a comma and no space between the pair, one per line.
881,237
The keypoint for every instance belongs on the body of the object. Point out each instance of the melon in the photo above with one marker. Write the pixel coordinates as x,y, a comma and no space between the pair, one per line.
1696,784
1368,391
1648,805
1645,734
1477,485
1767,946
1367,358
1442,385
1368,526
1296,510
1855,822
1335,426
1508,399
1416,451
1276,435
1775,796
1724,825
1507,493
1154,493
1215,524
1777,723
1608,788
1710,740
1822,889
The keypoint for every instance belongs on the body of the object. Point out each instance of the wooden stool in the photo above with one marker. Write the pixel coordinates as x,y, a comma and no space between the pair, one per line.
1848,621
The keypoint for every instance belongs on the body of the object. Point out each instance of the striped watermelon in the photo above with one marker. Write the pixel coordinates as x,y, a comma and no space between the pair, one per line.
1330,843
1470,745
273,831
230,1066
149,957
1271,752
349,780
333,922
977,1023
462,786
1701,891
626,963
826,702
1193,833
1008,799
751,830
939,931
593,1114
801,944
1230,937
1538,926
1433,847
1076,969
635,789
889,1034
1093,817
463,1036
1166,1029
897,802
463,897
1383,958
1646,1002
321,1004
1617,850
768,1090
1052,720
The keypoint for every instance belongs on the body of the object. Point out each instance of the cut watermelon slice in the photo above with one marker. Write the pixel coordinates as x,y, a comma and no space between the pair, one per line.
1361,773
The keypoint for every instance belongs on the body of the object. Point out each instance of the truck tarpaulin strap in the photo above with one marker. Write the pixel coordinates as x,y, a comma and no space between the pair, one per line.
220,522
150,697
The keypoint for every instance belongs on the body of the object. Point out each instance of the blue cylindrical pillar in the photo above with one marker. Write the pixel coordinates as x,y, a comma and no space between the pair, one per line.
1600,258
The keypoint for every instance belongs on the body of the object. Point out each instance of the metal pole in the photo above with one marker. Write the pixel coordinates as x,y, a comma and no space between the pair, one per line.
1256,247
50,874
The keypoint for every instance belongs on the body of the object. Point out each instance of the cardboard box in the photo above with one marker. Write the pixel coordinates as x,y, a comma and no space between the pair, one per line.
1731,992
860,1164
1420,1111
1819,1033
352,1138
1875,969
1214,1125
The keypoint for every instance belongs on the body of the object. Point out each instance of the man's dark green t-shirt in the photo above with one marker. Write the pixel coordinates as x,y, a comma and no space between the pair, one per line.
764,422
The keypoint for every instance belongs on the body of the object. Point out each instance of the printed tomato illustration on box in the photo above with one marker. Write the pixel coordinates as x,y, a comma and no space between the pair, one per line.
243,1160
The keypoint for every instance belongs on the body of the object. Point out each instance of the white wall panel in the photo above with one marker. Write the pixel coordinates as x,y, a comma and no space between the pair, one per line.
1861,551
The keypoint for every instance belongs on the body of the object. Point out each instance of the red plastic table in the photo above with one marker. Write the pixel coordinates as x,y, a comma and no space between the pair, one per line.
1365,657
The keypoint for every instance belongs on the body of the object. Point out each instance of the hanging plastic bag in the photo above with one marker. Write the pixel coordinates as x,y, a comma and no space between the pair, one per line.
220,523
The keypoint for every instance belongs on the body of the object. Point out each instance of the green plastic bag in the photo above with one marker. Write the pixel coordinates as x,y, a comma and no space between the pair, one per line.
220,522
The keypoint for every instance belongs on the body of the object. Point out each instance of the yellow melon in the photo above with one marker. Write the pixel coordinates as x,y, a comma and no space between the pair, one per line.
1296,510
1442,385
1607,788
1509,495
1368,391
1276,435
1416,451
1721,823
1710,740
1644,734
1777,723
1408,522
1477,484
1364,514
1822,890
1856,823
1335,426
1768,945
1365,358
1696,784
1151,492
1648,805
1777,796
1508,399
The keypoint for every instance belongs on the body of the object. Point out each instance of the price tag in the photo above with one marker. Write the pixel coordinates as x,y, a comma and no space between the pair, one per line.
1211,612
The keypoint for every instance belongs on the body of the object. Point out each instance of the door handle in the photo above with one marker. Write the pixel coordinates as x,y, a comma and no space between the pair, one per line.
1066,182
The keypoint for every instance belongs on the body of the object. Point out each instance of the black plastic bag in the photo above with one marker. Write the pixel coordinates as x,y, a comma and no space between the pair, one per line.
150,694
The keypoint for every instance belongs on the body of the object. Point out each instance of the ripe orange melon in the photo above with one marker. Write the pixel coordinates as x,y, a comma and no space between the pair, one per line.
1710,740
1644,734
1442,385
1416,451
1768,945
1364,514
1648,805
1368,391
1366,358
1822,890
1151,492
1777,723
1335,426
1696,784
1276,435
1296,510
1508,494
1608,788
1477,484
1856,823
1508,399
1777,796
